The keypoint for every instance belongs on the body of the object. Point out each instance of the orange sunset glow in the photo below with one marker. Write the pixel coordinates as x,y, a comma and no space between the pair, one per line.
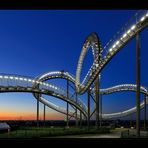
29,116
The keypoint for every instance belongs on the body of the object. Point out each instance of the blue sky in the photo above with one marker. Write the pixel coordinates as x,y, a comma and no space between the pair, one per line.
33,42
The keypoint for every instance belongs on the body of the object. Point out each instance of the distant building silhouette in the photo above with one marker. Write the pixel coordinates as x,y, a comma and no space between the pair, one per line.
4,126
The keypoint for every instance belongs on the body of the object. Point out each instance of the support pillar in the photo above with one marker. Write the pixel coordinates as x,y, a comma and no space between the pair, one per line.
100,110
131,120
80,119
77,110
88,103
96,86
37,112
138,84
67,120
44,113
145,112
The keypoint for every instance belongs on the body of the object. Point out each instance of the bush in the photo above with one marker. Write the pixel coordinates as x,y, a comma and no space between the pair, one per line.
35,132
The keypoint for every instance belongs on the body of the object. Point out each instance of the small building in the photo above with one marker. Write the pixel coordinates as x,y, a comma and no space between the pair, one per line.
4,126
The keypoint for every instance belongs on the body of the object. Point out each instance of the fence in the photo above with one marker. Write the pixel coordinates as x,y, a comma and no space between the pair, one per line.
133,134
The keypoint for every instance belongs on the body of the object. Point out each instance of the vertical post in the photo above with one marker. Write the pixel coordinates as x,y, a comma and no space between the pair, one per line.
131,121
67,115
80,119
44,113
100,110
145,112
38,112
67,122
77,110
88,103
138,83
96,86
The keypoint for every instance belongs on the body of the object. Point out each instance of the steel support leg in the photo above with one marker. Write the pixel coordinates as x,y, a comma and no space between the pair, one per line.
96,85
138,83
131,121
88,118
37,112
145,112
76,110
44,113
67,122
100,110
80,119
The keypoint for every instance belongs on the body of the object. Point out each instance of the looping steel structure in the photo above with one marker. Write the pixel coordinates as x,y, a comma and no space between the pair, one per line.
111,50
93,42
39,86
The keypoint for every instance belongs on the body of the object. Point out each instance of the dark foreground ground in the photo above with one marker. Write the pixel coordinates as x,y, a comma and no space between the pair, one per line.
58,129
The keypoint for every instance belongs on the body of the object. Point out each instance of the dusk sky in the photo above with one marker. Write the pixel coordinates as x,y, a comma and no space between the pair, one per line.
33,42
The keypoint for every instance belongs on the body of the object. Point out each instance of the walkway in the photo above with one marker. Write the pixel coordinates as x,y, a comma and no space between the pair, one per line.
116,133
